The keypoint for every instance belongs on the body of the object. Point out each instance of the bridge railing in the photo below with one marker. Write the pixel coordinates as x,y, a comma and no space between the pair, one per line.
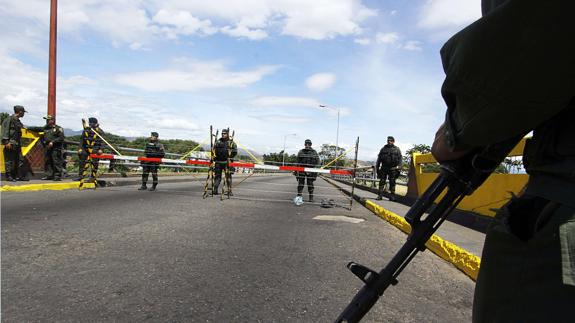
493,194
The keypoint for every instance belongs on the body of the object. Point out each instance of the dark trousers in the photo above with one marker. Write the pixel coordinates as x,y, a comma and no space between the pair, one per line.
387,174
54,162
527,271
92,168
301,180
219,168
14,162
150,168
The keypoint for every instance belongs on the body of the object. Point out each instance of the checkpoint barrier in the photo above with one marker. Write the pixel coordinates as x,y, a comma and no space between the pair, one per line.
206,164
493,194
31,149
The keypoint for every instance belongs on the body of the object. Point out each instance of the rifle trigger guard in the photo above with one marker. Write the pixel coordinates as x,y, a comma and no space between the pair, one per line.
365,274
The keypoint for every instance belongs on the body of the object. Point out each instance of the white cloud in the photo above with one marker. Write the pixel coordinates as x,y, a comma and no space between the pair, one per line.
320,81
362,41
281,118
386,38
448,14
194,76
137,24
242,31
279,101
182,23
413,45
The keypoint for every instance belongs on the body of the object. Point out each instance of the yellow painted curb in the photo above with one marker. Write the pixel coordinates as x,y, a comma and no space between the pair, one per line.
43,187
460,258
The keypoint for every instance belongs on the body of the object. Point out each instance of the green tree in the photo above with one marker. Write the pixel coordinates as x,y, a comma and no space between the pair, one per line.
278,158
422,149
327,153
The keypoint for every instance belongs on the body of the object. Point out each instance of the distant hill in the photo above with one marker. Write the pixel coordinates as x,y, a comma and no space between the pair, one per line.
241,152
70,132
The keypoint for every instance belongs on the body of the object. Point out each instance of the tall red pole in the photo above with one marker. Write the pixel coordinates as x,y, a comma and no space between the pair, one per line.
52,59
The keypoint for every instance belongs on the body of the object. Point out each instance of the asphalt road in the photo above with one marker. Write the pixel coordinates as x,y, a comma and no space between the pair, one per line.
118,254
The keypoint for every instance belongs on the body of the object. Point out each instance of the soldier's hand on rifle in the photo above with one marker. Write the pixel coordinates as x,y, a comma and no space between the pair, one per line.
79,151
8,146
100,151
50,144
441,150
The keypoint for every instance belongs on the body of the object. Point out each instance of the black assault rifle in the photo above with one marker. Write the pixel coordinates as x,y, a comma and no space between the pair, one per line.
458,179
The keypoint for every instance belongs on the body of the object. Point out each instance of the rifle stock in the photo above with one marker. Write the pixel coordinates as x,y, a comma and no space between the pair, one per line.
458,179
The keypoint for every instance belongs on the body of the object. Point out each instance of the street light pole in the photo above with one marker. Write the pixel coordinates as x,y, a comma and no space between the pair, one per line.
284,151
337,135
337,131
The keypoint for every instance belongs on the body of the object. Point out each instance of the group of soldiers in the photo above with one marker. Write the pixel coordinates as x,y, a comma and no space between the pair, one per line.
53,139
91,142
388,167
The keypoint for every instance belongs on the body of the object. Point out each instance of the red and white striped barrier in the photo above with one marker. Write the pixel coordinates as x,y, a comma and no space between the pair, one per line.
233,164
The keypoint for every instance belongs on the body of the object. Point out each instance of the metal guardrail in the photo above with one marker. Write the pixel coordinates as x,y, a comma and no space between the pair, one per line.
134,150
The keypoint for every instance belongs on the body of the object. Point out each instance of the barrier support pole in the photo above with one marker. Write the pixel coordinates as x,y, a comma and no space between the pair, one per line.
353,173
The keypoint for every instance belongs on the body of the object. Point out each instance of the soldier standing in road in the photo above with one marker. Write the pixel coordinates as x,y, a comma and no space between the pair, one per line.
501,84
307,157
225,150
388,166
53,139
12,141
154,149
90,141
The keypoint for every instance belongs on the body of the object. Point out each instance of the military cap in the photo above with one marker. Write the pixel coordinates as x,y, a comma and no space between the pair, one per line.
154,134
308,142
225,131
92,120
390,138
48,117
19,108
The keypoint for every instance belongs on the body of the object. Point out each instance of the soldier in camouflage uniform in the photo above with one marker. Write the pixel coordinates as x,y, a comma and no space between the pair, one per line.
388,166
307,157
12,141
89,140
225,150
154,149
53,140
509,73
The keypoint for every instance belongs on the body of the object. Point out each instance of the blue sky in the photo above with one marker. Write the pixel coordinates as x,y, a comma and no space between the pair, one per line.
262,67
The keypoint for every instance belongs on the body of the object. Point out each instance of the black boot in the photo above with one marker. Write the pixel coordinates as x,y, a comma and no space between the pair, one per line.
46,178
153,188
392,197
143,187
311,196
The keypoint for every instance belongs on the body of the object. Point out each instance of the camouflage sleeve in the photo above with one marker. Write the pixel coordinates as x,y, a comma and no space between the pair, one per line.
161,151
6,130
399,157
98,142
508,72
378,162
233,149
61,135
316,157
